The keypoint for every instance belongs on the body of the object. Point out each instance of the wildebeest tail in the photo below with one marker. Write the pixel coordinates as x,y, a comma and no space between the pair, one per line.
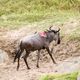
18,52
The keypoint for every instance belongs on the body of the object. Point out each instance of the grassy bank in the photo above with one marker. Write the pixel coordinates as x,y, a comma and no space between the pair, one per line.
23,12
69,76
39,13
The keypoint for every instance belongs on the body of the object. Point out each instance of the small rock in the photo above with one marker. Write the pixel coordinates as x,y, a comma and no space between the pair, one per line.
3,56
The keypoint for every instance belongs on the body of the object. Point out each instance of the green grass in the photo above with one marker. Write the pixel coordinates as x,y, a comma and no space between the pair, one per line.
22,12
56,17
68,76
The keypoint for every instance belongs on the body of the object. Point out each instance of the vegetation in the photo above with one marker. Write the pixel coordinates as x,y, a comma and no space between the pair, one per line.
69,76
17,13
20,12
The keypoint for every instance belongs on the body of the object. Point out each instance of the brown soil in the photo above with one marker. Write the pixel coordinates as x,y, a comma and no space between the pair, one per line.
9,41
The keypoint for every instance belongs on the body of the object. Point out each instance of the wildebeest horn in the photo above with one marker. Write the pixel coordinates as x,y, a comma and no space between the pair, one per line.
50,27
46,30
58,30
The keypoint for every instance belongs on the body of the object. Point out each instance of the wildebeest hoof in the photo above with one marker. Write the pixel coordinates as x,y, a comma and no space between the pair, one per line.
29,68
55,63
17,69
37,66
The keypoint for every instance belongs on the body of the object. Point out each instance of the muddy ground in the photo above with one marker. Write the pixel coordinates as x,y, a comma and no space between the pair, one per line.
66,55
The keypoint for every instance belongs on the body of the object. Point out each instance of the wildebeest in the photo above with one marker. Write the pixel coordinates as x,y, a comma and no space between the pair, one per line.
35,42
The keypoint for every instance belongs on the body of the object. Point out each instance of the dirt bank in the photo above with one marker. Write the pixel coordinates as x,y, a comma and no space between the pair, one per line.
9,40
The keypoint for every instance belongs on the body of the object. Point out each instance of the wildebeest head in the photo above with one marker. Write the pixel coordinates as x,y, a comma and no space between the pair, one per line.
55,34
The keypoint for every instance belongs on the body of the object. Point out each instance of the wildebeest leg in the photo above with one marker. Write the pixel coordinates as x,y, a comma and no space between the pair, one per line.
47,48
25,59
51,50
38,56
18,64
